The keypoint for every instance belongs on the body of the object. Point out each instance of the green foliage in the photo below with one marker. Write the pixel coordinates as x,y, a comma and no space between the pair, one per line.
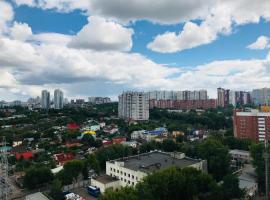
112,152
93,163
217,157
36,176
56,189
230,188
257,154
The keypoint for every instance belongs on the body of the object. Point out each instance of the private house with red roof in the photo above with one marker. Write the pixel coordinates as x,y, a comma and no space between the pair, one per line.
62,158
25,155
118,140
73,126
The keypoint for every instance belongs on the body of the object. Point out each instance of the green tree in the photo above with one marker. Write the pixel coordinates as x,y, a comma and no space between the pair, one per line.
257,154
37,176
230,188
73,169
56,189
217,156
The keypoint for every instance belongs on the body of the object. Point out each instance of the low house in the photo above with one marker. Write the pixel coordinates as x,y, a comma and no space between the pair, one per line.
62,158
118,140
72,126
25,155
36,196
105,182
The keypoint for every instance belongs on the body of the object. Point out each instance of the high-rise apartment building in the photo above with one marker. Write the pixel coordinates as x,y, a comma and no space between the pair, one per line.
229,97
221,97
133,105
58,99
178,95
45,99
253,125
261,96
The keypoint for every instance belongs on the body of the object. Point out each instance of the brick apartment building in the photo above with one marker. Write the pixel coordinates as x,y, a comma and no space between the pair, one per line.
183,104
253,124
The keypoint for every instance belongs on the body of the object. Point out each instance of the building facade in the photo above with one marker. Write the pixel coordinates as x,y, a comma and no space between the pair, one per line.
183,104
178,95
133,105
229,97
261,96
45,99
58,99
254,125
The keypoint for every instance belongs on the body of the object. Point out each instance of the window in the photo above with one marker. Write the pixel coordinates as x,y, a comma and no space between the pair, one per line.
132,177
121,172
128,182
125,180
125,174
136,178
117,171
114,170
111,169
128,175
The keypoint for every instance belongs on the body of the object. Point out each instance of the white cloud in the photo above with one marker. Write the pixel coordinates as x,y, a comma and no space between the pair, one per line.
52,38
161,11
59,5
20,31
219,21
6,15
262,42
101,34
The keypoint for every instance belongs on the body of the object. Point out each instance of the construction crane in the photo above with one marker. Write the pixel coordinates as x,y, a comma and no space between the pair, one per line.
5,187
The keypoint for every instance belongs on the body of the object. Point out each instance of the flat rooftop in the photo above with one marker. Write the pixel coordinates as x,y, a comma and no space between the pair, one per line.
36,196
105,179
153,161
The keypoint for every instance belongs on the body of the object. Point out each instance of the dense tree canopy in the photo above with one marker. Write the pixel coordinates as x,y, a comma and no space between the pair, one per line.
36,176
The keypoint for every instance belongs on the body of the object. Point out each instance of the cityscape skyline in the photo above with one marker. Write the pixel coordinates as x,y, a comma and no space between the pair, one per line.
147,50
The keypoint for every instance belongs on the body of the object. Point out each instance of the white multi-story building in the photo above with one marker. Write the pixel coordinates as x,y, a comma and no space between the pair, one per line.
45,99
58,99
131,170
133,105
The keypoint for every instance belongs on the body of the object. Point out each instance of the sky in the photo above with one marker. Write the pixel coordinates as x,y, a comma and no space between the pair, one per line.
103,47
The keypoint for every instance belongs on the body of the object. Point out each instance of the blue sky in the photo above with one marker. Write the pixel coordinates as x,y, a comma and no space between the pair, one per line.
106,47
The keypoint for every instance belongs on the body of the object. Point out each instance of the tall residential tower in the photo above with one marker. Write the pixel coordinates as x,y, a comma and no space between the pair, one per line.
58,99
45,99
133,105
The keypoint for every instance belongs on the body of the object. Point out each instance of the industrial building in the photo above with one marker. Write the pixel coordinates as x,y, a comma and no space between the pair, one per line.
131,170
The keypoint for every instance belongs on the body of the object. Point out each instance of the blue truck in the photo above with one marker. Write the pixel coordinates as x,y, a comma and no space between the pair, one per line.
93,191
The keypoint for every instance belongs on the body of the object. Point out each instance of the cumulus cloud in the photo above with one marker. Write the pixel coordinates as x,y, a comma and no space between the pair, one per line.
59,5
262,42
162,11
101,34
20,31
219,21
6,15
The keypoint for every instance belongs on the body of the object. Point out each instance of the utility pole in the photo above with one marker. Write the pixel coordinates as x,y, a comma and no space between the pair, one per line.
266,169
5,187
